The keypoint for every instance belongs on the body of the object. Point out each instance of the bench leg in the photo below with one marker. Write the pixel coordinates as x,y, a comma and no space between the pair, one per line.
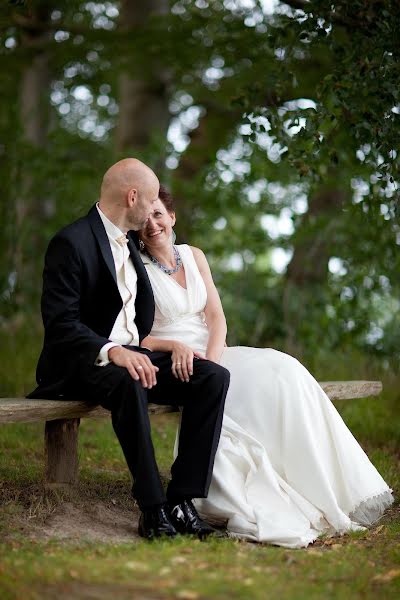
61,452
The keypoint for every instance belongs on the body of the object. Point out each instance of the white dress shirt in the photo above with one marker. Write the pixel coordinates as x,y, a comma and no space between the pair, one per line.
124,330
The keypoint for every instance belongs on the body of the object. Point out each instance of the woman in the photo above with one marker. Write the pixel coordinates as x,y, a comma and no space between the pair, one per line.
287,468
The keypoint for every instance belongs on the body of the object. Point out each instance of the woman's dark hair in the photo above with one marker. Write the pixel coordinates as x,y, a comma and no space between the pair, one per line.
166,199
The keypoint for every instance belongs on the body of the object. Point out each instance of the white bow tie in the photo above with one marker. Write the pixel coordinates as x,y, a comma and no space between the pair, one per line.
122,240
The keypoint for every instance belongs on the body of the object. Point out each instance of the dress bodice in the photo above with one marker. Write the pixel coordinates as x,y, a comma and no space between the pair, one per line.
179,312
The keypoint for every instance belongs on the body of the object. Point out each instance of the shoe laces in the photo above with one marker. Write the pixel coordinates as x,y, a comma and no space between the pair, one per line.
163,513
190,509
178,512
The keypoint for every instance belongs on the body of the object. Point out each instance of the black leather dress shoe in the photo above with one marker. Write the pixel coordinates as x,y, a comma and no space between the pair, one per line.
185,519
155,522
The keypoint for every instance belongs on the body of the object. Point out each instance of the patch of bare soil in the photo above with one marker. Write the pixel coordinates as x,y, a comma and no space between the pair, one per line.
95,591
95,522
83,515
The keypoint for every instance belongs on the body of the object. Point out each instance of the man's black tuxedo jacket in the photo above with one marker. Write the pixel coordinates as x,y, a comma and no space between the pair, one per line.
81,301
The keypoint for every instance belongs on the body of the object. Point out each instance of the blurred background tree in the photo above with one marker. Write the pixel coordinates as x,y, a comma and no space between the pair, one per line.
275,124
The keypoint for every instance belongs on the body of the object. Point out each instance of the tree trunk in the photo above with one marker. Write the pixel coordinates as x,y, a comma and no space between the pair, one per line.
307,272
34,117
215,131
143,102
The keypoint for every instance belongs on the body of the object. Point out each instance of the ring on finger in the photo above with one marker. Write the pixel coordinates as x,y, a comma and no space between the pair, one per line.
139,367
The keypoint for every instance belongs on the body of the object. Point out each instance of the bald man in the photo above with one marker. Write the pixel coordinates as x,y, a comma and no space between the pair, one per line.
97,307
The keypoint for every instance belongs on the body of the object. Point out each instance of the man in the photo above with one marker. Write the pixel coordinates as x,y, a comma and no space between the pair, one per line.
97,306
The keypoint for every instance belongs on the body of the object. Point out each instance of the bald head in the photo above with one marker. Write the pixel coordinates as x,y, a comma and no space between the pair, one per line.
124,175
128,189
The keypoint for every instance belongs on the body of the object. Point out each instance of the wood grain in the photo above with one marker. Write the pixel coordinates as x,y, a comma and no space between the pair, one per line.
13,410
61,451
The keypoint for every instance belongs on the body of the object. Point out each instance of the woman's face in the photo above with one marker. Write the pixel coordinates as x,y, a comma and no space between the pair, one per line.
158,229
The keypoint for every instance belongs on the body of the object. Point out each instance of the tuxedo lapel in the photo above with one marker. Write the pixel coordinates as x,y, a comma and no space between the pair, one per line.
144,303
137,261
144,295
101,236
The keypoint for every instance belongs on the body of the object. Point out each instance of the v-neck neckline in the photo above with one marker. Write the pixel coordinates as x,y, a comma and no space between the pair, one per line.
185,289
174,280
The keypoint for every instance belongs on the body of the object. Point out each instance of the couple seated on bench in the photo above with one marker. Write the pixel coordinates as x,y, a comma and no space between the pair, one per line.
133,318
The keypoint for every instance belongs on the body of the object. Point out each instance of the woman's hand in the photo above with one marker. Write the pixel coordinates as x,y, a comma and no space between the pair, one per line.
182,360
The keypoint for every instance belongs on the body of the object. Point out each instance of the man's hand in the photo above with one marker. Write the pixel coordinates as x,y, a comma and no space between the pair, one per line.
182,360
139,365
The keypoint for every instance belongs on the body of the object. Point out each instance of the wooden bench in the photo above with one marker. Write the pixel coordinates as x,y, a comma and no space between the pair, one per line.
62,419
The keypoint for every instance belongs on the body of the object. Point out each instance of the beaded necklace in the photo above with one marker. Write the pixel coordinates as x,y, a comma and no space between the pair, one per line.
163,268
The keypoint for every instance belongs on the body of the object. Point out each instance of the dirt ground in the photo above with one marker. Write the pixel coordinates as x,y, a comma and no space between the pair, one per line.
83,515
42,515
95,522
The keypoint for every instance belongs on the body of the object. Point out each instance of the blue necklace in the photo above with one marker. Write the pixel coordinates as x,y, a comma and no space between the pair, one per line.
163,268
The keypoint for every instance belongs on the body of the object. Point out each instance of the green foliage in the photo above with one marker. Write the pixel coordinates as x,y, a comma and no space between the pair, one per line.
264,151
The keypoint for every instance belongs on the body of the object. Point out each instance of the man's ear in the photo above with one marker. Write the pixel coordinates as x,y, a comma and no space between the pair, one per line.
132,197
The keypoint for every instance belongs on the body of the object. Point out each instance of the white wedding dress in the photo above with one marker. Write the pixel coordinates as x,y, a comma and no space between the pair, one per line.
287,468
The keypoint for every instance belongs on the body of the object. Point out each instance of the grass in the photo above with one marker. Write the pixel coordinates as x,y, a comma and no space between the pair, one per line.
215,569
359,565
22,339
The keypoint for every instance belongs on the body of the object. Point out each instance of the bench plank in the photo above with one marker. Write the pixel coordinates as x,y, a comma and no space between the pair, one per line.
347,390
24,410
63,417
13,410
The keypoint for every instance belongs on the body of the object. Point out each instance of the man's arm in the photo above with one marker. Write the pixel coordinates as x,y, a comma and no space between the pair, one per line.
64,331
62,287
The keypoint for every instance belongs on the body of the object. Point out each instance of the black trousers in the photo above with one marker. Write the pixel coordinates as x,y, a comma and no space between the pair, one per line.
202,399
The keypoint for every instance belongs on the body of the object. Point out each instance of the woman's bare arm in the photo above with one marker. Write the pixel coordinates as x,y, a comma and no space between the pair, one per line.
214,312
181,355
